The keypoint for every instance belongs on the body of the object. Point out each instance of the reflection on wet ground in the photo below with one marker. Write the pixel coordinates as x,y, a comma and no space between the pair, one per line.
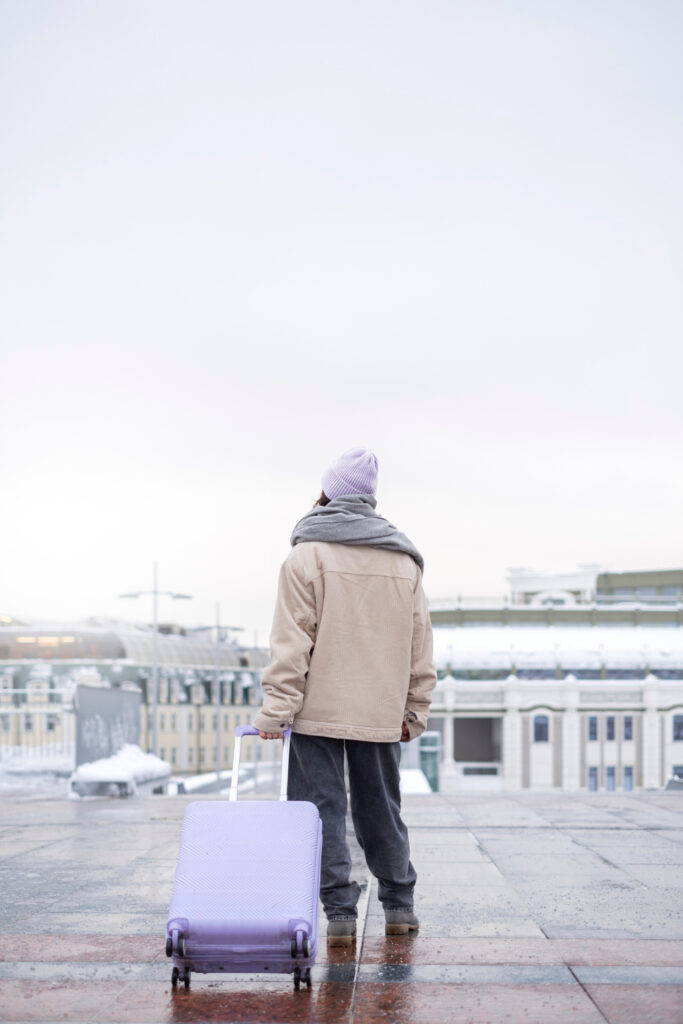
531,905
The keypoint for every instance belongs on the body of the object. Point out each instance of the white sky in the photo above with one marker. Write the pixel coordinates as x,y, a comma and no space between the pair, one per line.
241,237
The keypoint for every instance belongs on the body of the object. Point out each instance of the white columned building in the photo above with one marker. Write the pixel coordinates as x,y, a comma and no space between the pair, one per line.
652,730
576,684
571,735
546,731
512,737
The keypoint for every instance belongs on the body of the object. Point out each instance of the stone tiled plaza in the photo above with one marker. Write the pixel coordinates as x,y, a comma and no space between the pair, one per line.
533,907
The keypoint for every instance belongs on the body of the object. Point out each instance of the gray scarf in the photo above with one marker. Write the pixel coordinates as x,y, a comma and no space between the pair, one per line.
352,519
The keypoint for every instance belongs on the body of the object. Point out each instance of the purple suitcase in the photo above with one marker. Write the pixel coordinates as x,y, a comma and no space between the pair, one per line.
245,896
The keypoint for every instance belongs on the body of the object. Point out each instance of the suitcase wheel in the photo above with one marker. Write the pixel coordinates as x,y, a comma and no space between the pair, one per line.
169,947
176,976
181,947
302,974
305,948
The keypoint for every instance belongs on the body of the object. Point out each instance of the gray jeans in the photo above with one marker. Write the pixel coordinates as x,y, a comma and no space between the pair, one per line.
316,773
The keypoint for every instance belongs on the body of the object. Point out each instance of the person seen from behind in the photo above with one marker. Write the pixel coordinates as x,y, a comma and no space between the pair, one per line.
352,674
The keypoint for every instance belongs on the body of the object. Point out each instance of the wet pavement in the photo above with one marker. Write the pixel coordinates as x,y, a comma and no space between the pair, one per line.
533,907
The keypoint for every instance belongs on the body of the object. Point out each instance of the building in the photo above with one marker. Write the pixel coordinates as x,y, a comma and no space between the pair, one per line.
42,663
589,583
575,682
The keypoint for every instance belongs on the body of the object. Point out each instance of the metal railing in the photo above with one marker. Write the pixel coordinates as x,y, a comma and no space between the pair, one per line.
37,730
445,604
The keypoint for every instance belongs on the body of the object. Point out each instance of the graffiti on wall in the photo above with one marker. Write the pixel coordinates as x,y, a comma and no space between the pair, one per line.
106,719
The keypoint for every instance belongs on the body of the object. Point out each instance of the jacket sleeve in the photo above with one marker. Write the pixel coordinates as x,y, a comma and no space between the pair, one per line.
291,643
422,671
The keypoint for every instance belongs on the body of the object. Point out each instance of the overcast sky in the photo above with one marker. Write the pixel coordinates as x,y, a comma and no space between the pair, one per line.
241,237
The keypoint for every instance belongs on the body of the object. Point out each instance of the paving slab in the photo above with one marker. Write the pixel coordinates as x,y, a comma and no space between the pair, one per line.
638,1004
532,906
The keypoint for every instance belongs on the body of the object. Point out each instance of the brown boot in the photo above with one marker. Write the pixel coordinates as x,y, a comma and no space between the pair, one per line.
400,922
341,931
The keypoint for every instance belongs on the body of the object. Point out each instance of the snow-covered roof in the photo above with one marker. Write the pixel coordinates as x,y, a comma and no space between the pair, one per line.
580,647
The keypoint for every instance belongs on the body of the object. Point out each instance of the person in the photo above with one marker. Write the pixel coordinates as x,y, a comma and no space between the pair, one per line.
352,673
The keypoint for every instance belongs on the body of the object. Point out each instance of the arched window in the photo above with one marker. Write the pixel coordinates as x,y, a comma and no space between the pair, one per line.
540,728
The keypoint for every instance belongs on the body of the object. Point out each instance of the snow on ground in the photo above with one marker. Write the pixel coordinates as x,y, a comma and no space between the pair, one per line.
59,758
38,786
131,764
262,778
36,773
414,781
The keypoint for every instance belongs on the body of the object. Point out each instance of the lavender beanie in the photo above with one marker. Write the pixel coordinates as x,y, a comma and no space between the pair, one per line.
354,472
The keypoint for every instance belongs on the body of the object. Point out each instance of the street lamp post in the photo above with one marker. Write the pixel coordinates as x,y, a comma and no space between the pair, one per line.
156,593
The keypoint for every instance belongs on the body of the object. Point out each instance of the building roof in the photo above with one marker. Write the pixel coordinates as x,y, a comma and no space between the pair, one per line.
546,647
108,640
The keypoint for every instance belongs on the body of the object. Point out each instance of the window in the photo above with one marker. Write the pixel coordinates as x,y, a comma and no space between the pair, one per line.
678,727
51,723
540,729
202,723
173,725
226,722
162,721
628,777
173,755
226,754
202,755
237,720
5,723
611,778
28,723
214,722
593,728
190,756
610,727
628,727
162,753
190,722
678,770
593,779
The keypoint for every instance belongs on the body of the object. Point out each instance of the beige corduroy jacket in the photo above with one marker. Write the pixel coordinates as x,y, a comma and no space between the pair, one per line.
351,645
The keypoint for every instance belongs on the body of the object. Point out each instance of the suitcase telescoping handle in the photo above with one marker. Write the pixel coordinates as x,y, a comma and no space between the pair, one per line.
250,730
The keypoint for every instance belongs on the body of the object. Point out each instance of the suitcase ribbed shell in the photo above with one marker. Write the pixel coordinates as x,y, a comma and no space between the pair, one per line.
247,880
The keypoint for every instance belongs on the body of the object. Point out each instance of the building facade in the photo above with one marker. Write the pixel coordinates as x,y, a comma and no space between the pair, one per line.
594,734
205,690
574,682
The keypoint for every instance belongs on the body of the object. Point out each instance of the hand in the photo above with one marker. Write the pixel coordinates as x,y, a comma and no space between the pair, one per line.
270,735
405,735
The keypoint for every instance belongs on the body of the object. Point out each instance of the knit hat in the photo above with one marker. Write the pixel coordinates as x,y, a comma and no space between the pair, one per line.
354,472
